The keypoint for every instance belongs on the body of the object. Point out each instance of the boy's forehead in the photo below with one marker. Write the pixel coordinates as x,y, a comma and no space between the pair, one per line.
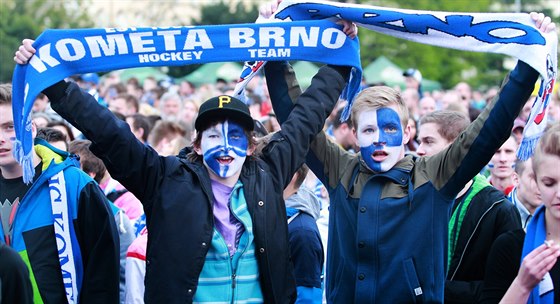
6,114
372,111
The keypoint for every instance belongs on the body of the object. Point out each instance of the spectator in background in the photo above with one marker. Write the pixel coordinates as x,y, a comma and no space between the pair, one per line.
54,137
140,127
33,233
124,104
64,128
187,90
89,82
554,106
449,98
413,80
15,286
412,144
303,209
125,207
134,88
523,267
41,120
525,195
170,106
136,269
188,113
502,165
43,105
517,130
166,136
480,213
427,105
411,99
343,133
526,111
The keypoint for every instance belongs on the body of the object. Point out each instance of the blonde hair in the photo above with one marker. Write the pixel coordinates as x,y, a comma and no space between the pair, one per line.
377,97
549,144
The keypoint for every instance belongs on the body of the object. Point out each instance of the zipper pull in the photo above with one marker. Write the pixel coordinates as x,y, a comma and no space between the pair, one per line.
233,281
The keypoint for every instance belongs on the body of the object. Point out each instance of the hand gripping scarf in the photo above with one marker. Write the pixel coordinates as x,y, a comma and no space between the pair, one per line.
512,34
61,53
535,236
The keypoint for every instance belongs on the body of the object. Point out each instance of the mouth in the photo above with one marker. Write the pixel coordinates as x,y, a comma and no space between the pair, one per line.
224,160
3,150
379,155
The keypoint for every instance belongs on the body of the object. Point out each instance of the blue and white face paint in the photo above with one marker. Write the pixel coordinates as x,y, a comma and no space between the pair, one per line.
224,148
380,137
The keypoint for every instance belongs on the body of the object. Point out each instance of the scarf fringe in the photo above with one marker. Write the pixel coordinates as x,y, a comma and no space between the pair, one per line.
527,147
26,161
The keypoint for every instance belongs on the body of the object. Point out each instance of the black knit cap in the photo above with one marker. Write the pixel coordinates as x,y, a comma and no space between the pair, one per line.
224,107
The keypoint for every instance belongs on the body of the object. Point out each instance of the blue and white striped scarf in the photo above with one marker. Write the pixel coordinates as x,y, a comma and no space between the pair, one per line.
512,34
62,53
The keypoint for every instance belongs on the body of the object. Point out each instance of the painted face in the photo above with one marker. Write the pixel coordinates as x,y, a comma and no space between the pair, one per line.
380,137
224,148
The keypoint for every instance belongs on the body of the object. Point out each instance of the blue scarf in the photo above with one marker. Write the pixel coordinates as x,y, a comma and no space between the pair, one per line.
61,53
512,34
536,234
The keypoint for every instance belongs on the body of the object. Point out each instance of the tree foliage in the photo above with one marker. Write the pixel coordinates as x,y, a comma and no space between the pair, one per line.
27,19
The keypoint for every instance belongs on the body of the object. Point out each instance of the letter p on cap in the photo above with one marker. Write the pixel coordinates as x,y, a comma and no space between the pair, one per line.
222,100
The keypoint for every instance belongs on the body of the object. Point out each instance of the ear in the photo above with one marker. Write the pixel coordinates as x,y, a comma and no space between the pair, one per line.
33,130
406,134
197,149
515,179
251,150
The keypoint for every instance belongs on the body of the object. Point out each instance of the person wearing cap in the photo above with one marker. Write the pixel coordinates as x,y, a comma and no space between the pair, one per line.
215,213
413,80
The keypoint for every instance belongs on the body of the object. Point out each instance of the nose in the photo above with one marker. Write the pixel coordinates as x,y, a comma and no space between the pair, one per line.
420,150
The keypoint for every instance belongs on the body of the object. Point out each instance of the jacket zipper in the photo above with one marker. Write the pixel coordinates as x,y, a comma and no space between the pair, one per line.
470,238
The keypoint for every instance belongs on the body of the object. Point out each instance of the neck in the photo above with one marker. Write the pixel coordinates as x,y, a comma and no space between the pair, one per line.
552,227
465,189
501,183
15,170
228,181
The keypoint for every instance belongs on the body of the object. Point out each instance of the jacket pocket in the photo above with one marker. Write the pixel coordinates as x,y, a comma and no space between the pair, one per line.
412,280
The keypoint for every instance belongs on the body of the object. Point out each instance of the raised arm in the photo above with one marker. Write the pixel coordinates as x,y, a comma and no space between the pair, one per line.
452,168
129,161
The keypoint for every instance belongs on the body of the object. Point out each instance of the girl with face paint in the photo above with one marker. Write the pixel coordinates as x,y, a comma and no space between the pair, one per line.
215,212
224,147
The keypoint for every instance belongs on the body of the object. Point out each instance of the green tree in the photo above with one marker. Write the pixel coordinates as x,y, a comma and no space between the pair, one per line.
27,19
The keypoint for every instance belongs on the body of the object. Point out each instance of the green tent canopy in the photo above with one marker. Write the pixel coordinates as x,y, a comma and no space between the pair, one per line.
305,71
383,70
210,72
142,73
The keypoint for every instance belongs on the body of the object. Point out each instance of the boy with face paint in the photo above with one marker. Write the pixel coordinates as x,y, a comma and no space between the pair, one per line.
389,212
215,213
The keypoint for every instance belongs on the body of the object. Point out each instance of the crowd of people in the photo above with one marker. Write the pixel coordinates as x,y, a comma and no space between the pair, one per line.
166,192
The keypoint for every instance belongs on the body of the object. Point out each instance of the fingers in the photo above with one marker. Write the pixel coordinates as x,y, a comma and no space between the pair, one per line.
349,28
267,9
24,52
542,22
